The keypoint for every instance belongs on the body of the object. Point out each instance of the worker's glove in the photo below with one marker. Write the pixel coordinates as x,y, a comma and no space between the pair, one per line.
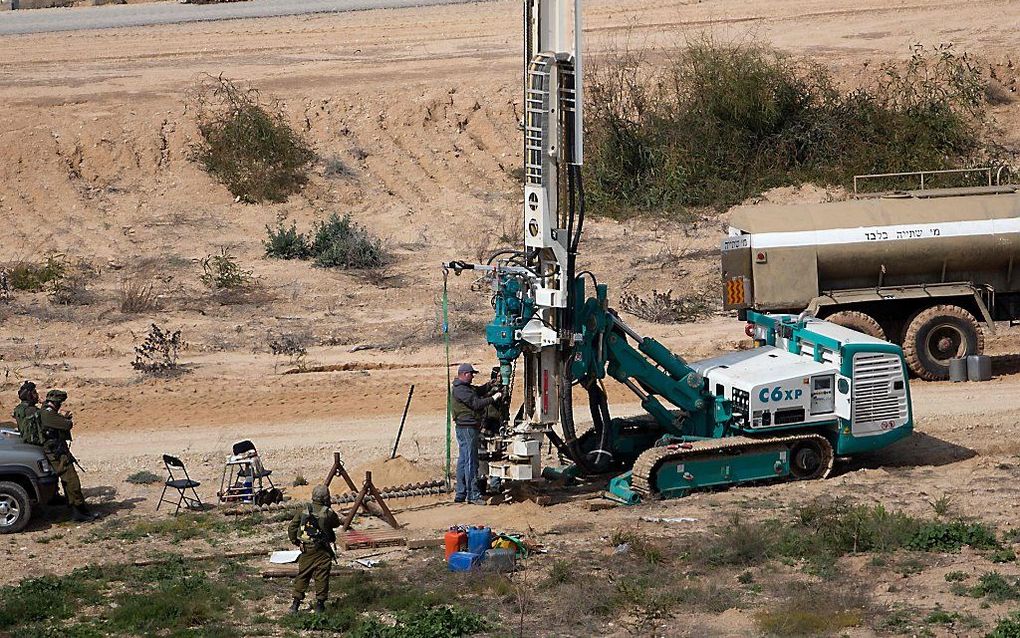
496,397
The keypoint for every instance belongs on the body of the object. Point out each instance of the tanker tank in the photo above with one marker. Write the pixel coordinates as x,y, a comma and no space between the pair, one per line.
923,268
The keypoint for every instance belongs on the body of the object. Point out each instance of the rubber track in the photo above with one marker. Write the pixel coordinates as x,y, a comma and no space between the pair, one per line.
651,460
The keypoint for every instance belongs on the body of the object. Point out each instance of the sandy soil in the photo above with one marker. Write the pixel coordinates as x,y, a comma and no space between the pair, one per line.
422,104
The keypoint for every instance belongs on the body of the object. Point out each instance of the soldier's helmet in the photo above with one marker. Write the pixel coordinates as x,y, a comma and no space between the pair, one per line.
26,391
320,495
56,396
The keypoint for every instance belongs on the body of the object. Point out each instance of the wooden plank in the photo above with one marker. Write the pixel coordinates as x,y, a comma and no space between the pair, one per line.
422,543
596,506
355,539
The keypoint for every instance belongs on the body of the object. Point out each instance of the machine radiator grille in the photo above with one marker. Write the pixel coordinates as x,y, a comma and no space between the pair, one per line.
741,403
880,398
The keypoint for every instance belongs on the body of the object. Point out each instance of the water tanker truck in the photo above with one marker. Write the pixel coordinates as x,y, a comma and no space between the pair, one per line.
929,269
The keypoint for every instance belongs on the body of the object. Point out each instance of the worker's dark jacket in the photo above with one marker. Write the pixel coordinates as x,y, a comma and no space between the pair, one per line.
469,403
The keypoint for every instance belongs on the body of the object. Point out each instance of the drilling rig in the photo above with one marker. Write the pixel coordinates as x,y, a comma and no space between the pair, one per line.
809,392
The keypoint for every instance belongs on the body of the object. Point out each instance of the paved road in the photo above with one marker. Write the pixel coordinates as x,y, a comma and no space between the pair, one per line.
137,15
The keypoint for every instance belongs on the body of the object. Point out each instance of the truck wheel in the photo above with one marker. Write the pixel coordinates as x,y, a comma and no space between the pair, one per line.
858,321
937,334
15,508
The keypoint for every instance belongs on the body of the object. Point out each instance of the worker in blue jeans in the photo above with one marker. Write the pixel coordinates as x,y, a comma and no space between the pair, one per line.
469,403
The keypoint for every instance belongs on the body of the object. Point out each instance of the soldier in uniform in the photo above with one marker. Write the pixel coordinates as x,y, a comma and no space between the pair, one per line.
312,531
28,409
56,429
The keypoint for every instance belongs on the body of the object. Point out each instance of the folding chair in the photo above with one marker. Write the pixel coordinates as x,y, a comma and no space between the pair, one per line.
244,478
179,484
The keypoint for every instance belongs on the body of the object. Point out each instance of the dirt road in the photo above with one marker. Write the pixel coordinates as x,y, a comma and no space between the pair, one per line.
160,13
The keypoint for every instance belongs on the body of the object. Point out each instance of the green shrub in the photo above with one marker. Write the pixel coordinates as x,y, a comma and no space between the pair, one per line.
248,145
339,242
715,124
222,272
33,277
950,537
143,477
996,587
286,243
1007,628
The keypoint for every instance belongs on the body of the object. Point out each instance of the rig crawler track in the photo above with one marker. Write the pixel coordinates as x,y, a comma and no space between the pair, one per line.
652,461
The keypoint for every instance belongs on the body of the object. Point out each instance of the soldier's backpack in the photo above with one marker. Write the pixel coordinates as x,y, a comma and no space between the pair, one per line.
32,430
309,531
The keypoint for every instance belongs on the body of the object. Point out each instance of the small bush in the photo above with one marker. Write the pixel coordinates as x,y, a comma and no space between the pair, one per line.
740,543
560,572
286,243
996,588
292,345
1007,628
299,480
339,242
71,290
222,272
32,277
1004,555
942,505
248,144
157,355
955,576
950,537
336,167
138,295
663,307
143,477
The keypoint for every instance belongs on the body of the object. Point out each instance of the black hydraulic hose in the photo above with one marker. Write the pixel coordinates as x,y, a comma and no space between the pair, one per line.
580,208
505,251
571,442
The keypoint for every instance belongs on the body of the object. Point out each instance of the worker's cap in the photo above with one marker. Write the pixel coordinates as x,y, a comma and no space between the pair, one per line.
56,396
466,367
320,495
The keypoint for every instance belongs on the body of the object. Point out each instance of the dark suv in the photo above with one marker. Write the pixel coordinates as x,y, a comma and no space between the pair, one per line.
26,481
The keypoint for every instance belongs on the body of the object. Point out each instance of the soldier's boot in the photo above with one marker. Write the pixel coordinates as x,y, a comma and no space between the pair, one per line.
294,606
82,514
320,606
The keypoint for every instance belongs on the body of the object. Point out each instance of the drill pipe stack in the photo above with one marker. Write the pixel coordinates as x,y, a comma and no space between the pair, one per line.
399,491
